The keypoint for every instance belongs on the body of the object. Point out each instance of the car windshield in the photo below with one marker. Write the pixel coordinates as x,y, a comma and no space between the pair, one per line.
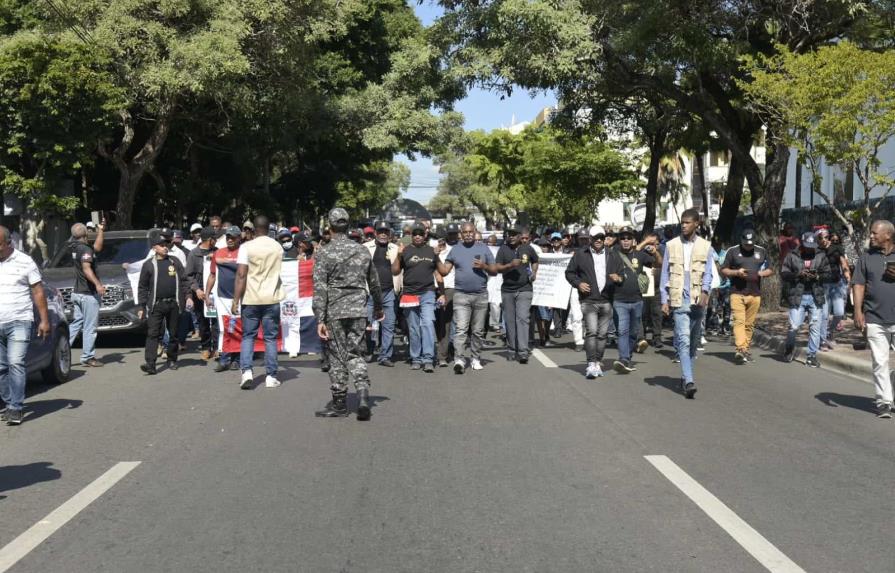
115,251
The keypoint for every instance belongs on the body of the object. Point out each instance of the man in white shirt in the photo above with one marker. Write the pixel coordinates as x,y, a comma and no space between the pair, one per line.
19,288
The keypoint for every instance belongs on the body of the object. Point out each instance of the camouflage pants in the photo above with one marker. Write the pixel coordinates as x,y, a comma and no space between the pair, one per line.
345,353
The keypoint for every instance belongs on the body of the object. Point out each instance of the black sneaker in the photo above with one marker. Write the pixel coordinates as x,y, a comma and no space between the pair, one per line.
812,361
14,417
739,358
149,369
387,363
428,368
883,410
172,365
789,353
221,367
523,360
459,367
689,389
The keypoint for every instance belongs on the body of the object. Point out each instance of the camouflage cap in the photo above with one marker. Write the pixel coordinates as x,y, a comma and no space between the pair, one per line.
338,215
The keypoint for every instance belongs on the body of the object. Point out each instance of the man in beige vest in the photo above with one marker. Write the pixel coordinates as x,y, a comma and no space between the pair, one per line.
686,284
259,291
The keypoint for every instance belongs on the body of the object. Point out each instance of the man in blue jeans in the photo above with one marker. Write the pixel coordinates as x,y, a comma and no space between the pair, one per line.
685,286
417,261
384,254
87,293
259,290
627,265
805,271
19,287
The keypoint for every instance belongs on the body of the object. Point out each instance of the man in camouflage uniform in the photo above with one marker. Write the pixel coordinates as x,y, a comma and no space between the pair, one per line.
343,274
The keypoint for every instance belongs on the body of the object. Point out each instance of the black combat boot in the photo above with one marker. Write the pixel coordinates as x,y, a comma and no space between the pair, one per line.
363,405
335,408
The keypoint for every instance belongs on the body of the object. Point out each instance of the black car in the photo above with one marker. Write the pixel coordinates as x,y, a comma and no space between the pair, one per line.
118,311
50,356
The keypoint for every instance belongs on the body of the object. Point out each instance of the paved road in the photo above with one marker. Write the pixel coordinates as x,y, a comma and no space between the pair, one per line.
514,468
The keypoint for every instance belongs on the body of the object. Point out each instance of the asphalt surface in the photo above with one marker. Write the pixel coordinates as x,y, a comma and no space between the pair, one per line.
513,468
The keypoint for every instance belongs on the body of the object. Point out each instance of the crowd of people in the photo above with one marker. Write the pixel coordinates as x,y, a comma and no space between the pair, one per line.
371,284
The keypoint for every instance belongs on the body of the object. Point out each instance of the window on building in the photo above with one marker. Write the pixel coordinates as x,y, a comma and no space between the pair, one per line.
718,158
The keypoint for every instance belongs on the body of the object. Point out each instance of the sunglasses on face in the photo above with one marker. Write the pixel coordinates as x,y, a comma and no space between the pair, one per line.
626,238
598,237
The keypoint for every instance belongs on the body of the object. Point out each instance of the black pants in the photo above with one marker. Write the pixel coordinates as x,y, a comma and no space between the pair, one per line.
164,313
204,324
443,318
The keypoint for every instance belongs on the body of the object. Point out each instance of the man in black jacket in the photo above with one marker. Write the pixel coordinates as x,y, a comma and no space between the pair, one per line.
195,271
588,271
161,292
804,273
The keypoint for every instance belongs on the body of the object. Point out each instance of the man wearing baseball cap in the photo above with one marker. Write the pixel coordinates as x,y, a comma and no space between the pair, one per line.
384,253
162,292
225,257
745,265
343,274
195,269
805,271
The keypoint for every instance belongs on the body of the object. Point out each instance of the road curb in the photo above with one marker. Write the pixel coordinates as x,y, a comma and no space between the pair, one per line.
857,368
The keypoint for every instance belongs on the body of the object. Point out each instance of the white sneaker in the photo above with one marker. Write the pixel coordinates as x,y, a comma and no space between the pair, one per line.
477,364
591,372
271,382
247,377
598,370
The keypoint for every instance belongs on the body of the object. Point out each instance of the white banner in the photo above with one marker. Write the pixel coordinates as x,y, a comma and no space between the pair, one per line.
551,288
133,276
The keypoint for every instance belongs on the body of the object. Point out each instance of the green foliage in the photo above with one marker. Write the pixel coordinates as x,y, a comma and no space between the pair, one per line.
55,102
386,181
837,104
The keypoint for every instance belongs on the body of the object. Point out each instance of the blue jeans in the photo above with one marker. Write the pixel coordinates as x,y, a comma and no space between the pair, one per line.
687,335
835,305
14,339
86,319
629,314
386,325
421,324
797,317
267,316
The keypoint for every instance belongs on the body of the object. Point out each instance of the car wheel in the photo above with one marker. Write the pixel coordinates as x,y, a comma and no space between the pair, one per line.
59,369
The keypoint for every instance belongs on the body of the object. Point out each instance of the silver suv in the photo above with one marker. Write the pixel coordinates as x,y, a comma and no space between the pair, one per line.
118,310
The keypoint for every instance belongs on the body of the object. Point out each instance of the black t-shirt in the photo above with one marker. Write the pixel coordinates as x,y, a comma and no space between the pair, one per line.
83,253
753,262
518,279
834,255
383,267
629,289
166,282
419,268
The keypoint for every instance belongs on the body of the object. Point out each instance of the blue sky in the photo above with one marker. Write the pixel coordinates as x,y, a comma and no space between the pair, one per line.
481,110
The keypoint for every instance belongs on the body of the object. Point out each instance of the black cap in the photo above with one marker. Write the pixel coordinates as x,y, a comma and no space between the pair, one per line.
299,238
166,232
233,231
177,233
582,233
452,228
383,226
206,233
748,237
809,241
513,230
626,230
417,226
158,240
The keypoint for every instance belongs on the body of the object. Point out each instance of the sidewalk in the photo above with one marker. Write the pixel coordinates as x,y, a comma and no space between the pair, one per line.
850,355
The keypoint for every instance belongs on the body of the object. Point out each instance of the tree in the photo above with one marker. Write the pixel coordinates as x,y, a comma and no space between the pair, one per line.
837,105
386,182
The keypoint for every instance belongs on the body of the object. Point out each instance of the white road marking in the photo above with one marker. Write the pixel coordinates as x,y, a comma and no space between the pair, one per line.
40,531
752,541
543,359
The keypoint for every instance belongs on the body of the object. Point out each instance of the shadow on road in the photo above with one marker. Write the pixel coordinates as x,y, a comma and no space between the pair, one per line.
374,401
673,384
834,400
17,477
40,408
576,368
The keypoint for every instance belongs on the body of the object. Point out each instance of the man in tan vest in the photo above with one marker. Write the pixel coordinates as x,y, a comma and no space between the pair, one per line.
686,284
259,291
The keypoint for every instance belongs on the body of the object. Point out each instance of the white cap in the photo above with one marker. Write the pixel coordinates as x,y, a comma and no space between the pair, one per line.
195,227
597,230
91,225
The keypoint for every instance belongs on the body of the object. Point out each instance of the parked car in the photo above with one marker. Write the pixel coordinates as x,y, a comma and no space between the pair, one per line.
118,310
51,356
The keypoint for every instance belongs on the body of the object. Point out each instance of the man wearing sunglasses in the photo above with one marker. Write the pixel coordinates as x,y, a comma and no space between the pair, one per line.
686,284
588,273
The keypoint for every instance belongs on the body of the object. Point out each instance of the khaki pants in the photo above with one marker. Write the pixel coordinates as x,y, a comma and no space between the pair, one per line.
744,309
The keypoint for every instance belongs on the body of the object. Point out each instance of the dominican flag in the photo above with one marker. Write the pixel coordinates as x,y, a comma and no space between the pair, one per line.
298,327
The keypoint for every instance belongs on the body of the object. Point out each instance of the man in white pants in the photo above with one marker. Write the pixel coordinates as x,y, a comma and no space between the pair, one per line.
874,298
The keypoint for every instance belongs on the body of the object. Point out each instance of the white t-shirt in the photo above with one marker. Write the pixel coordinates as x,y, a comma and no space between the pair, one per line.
17,274
449,279
172,252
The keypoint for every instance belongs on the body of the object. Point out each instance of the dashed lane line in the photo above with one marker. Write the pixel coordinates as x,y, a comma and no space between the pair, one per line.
40,531
752,541
543,359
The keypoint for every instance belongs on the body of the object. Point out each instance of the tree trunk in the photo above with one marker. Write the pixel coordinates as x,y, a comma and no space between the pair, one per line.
730,206
128,186
657,148
706,202
767,200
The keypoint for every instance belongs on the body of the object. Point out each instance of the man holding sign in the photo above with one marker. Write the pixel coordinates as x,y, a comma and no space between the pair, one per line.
417,260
